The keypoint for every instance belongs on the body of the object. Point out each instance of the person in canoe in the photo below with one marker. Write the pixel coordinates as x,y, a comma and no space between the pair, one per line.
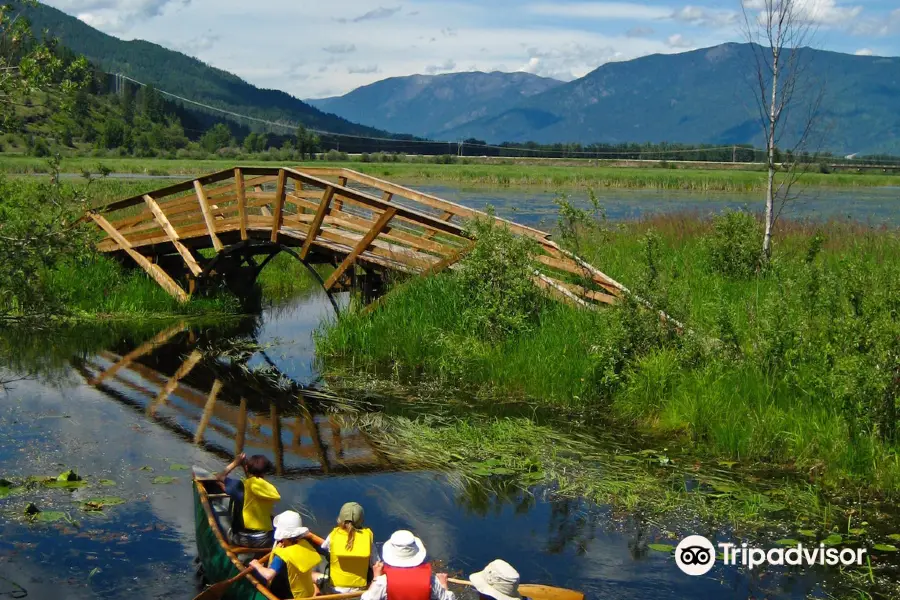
497,581
351,550
290,572
253,500
404,574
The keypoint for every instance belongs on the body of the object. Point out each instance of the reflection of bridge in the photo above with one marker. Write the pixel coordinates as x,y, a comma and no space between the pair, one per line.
362,225
205,405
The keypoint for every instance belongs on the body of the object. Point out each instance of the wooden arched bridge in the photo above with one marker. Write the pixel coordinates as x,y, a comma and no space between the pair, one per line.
362,225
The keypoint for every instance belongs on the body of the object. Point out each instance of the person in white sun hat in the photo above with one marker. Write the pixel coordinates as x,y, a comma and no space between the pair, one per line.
498,581
290,572
404,574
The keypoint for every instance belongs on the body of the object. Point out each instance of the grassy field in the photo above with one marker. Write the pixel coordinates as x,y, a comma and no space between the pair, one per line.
549,177
797,365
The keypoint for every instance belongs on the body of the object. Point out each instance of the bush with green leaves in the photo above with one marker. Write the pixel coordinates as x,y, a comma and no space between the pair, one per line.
734,243
497,276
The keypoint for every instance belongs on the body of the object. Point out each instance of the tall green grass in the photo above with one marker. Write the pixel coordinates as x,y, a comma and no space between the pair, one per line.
797,364
548,176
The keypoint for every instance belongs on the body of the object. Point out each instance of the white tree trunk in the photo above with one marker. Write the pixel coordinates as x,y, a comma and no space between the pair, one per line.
770,153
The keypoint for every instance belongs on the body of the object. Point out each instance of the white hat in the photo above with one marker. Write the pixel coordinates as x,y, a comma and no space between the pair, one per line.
403,550
288,525
498,580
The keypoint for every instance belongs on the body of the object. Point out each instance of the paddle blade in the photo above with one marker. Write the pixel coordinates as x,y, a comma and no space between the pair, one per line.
215,592
537,591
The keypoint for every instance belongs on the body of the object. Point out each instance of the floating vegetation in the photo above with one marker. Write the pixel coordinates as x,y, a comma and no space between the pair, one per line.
98,504
885,547
661,547
106,483
163,480
178,467
833,540
787,542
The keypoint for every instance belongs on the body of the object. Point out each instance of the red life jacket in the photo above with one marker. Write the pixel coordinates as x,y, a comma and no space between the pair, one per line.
408,583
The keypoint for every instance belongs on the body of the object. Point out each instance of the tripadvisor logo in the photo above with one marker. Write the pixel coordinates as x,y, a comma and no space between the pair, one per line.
696,555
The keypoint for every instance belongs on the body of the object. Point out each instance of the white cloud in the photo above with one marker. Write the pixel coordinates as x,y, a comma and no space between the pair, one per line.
446,66
116,16
340,48
864,52
679,41
569,61
880,27
601,10
366,70
372,15
817,12
639,32
704,17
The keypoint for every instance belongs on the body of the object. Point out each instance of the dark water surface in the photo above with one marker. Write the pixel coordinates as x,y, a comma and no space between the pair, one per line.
531,206
95,406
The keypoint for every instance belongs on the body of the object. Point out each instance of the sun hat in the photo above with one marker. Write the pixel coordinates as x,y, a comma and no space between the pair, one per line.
403,550
498,580
288,525
353,512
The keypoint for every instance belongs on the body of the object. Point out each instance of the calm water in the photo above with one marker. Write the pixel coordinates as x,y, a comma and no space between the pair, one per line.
95,406
877,206
92,402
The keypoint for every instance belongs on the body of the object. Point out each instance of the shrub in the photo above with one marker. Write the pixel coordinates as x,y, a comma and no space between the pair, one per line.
336,156
497,278
734,244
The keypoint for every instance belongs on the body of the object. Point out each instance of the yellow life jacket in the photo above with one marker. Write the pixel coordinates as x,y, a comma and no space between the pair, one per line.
350,567
260,497
300,559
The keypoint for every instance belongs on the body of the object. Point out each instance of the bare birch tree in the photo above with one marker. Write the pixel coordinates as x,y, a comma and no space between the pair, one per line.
787,101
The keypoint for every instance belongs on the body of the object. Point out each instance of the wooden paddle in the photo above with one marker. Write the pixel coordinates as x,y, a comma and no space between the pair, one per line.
217,590
537,591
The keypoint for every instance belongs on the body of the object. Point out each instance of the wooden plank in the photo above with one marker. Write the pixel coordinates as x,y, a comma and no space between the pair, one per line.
207,216
145,348
361,247
279,205
242,200
591,294
241,428
167,191
449,261
155,271
570,266
172,384
207,410
314,228
160,217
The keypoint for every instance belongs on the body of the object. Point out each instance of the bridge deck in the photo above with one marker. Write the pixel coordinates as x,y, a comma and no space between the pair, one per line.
330,214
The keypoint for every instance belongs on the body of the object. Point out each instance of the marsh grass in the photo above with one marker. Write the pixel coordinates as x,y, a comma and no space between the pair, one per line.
547,176
802,373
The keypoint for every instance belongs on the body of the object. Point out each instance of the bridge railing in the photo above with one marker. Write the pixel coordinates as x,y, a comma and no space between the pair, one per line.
340,214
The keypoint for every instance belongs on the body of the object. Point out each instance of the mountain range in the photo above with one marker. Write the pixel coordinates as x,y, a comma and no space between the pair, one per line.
702,96
425,105
183,75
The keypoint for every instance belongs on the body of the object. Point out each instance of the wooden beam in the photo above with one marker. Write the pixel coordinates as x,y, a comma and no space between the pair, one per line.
242,200
317,221
145,348
277,443
172,384
155,271
387,196
163,221
207,216
279,205
207,410
361,247
241,428
449,261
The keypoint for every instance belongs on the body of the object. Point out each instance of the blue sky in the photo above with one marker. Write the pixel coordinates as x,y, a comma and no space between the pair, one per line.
316,48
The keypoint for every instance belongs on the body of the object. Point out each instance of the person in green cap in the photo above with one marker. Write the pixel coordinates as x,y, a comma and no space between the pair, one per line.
351,549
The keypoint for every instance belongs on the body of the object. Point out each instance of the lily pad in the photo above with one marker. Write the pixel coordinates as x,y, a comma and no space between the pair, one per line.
856,531
807,532
95,504
894,536
885,547
721,486
63,484
833,540
145,468
178,467
49,516
163,480
107,483
502,471
69,475
661,547
787,542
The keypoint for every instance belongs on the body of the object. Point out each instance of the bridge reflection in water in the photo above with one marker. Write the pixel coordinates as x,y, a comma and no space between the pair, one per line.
228,409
